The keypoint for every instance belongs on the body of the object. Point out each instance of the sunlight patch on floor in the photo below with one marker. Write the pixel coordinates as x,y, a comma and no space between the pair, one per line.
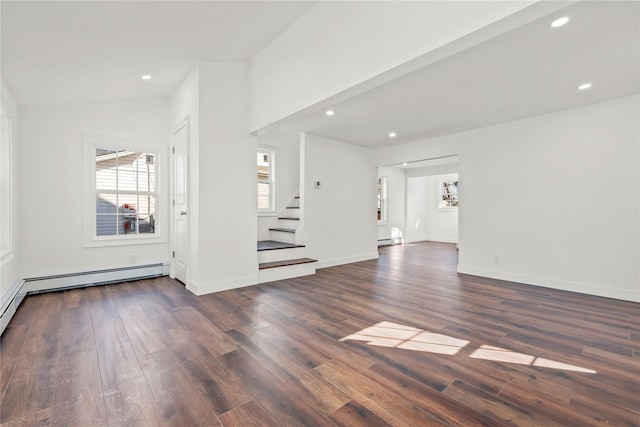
394,335
389,334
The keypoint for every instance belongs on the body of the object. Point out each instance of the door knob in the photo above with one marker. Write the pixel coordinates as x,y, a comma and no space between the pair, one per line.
183,212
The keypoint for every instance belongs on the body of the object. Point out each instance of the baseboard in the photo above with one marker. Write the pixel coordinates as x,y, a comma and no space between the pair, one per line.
10,302
348,260
22,287
582,288
225,285
434,239
91,278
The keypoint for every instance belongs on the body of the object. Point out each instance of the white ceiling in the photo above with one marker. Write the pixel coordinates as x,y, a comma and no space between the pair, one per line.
531,70
59,52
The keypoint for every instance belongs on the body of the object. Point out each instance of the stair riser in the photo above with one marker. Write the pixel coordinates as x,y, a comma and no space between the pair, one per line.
287,223
281,254
282,236
287,272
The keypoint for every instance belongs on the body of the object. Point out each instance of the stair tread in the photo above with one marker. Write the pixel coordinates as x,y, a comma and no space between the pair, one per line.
292,218
268,245
284,230
286,262
293,207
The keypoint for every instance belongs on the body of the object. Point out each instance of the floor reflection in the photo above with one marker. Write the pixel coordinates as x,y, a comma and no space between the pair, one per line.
389,334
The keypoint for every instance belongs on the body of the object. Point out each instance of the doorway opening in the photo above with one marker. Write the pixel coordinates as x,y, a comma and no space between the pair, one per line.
420,201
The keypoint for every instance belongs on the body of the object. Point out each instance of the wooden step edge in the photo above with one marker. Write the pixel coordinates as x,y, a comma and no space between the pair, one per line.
286,262
293,207
290,218
284,230
281,248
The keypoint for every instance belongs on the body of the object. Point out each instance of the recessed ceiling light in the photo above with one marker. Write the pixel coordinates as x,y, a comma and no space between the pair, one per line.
585,86
560,22
329,113
392,134
404,164
146,77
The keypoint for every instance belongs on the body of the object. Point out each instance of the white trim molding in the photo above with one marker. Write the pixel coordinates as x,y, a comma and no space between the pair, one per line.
564,285
23,287
225,285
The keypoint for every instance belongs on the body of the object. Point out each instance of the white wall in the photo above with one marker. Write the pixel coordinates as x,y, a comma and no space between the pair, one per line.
424,220
51,174
544,193
396,190
222,193
339,218
338,45
8,218
287,174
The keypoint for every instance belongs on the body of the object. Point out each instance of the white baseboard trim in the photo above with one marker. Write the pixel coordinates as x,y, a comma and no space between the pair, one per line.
582,288
225,285
10,302
324,263
434,239
22,287
91,278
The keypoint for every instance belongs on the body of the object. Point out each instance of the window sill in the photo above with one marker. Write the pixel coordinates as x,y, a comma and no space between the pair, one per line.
124,241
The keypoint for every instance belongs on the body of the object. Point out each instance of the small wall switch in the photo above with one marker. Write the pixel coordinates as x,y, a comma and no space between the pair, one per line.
496,259
316,184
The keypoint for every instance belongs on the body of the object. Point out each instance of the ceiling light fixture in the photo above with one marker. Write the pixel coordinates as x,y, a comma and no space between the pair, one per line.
560,22
392,134
146,77
329,113
585,86
404,164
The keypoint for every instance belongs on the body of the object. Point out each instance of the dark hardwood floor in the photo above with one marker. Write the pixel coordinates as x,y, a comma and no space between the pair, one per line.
403,340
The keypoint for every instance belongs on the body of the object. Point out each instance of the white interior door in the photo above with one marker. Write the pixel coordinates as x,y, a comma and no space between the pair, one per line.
180,142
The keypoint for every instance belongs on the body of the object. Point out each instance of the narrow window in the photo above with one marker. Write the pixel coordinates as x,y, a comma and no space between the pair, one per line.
382,199
265,173
6,182
448,193
125,189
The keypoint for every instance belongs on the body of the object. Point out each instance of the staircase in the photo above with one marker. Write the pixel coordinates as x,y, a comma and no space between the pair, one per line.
280,257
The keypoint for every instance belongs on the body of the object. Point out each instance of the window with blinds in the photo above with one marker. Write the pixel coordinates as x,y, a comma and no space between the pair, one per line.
126,193
264,164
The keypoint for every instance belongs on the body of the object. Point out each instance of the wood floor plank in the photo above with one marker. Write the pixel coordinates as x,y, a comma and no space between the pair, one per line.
385,403
354,414
132,404
462,350
251,414
272,392
499,410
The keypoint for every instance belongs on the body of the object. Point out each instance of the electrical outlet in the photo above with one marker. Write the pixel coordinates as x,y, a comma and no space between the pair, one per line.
496,259
132,259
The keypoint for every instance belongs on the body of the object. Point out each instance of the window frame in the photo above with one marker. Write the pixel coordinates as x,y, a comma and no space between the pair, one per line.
382,200
272,152
90,143
7,183
439,192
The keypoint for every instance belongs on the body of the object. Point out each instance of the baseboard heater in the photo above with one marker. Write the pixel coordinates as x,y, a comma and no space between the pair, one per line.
35,285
